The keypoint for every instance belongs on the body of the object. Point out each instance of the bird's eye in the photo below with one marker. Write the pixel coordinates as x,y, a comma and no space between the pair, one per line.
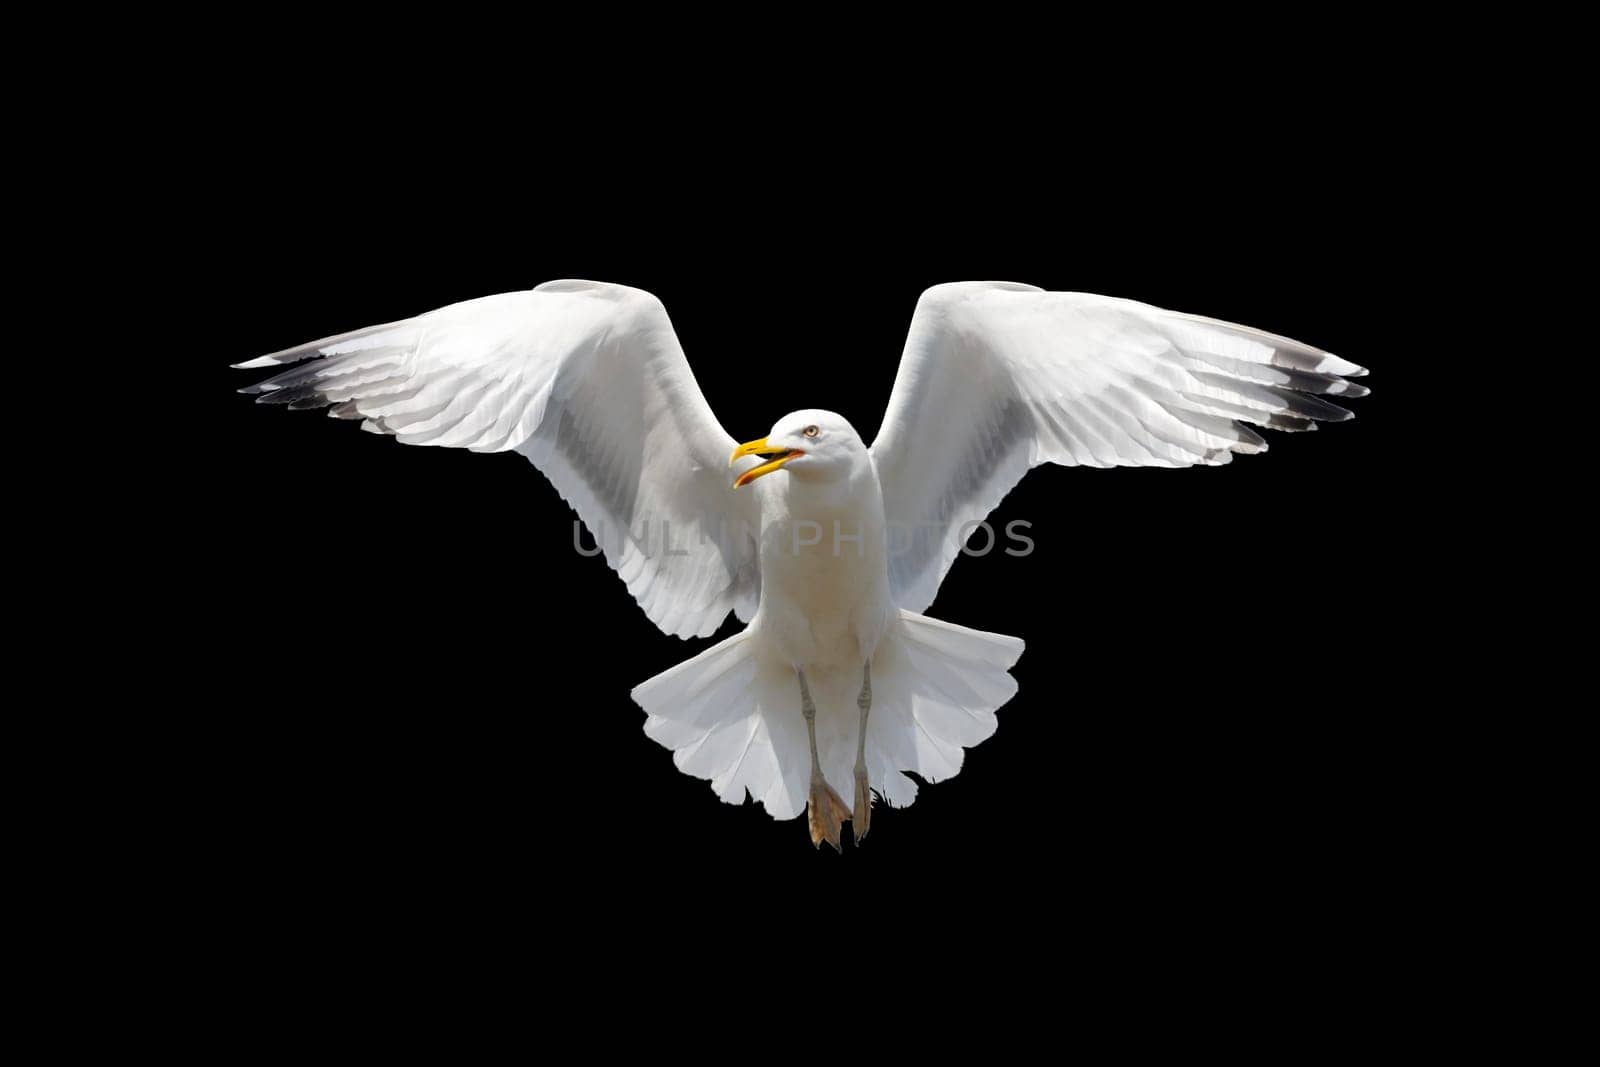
810,431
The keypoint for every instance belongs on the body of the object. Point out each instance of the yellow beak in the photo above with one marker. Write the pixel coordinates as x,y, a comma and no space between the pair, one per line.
760,448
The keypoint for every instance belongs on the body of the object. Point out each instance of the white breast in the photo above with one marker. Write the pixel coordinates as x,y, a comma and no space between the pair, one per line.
825,598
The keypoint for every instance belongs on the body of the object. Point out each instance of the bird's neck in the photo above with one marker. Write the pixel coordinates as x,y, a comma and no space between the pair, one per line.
855,497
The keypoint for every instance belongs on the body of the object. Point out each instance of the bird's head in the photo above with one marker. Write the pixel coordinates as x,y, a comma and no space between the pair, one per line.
810,444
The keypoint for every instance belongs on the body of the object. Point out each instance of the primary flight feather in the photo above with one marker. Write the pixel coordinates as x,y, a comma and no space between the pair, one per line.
828,549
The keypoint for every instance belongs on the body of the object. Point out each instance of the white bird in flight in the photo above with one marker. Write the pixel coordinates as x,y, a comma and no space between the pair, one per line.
829,549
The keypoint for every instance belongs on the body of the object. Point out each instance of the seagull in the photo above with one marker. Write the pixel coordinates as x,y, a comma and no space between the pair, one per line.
828,549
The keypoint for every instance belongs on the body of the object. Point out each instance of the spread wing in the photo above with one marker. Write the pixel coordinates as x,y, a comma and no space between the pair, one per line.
588,381
998,377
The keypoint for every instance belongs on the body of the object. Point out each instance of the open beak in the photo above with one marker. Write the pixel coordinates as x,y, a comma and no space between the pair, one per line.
761,448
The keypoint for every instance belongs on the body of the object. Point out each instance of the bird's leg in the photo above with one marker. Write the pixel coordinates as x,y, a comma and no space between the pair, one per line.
863,813
825,810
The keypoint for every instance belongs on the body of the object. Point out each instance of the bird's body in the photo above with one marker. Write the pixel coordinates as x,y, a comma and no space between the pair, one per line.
838,675
823,554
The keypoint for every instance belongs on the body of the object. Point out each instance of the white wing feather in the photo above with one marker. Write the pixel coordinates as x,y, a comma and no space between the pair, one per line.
998,377
589,382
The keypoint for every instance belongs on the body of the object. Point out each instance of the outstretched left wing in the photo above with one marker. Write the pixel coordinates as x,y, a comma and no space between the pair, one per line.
588,381
999,377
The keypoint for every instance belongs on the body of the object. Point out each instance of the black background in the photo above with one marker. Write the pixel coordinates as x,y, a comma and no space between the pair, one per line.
421,691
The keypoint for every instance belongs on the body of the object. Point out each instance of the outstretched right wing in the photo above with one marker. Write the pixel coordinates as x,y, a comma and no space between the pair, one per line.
588,381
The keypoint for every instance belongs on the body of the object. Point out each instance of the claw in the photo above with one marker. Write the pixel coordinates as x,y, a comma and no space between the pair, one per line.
825,813
863,813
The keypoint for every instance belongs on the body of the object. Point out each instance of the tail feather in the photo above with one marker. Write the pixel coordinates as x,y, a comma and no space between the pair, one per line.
722,714
733,717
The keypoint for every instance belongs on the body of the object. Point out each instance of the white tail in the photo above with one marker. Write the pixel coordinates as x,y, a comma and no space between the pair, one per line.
733,717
